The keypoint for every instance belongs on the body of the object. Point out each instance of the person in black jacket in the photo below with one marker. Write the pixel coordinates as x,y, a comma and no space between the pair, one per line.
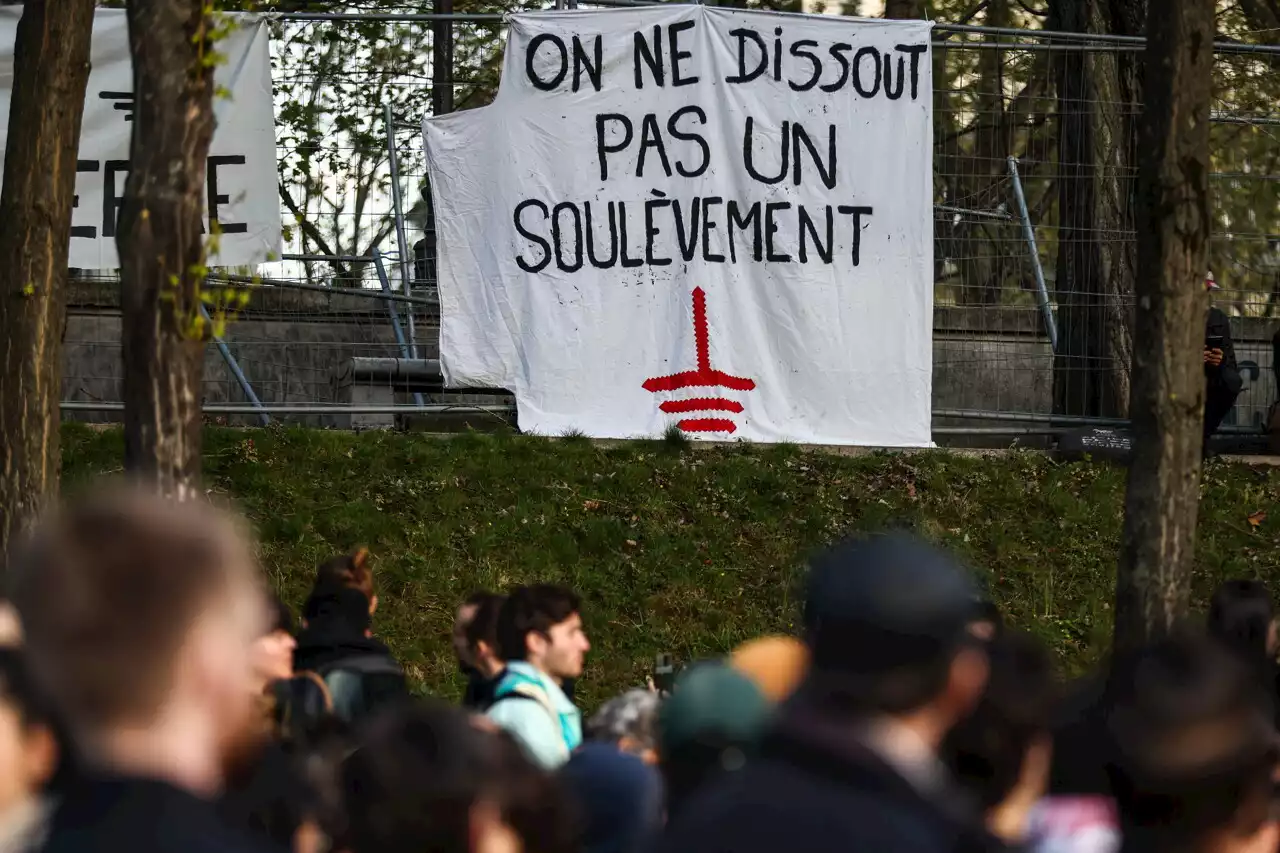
852,760
475,643
1222,375
337,643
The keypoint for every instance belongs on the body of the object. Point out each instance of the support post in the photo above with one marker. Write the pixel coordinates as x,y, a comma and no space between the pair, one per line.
234,367
406,276
1029,234
395,315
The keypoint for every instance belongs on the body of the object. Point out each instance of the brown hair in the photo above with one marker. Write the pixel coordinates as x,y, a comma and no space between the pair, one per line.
349,570
109,589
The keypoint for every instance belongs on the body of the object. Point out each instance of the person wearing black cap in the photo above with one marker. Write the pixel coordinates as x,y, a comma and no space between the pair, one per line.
1221,373
852,761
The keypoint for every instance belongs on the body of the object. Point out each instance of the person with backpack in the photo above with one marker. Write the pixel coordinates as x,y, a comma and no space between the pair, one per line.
337,645
541,638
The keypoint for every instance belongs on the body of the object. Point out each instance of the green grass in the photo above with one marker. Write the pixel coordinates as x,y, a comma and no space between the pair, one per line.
680,549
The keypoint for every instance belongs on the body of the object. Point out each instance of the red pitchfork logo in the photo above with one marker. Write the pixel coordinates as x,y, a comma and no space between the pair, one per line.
704,377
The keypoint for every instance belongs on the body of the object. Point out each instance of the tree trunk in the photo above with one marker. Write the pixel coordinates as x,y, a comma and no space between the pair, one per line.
1154,577
51,69
161,242
1097,92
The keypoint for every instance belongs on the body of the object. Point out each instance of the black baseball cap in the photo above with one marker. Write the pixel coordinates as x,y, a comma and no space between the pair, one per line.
886,602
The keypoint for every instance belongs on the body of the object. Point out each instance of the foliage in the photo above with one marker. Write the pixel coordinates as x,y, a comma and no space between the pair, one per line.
688,551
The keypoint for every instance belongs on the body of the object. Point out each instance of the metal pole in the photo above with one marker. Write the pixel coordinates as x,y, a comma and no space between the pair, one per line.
234,367
305,409
406,276
1029,233
395,315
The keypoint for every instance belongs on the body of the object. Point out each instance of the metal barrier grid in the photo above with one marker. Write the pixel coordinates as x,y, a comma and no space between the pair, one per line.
1034,244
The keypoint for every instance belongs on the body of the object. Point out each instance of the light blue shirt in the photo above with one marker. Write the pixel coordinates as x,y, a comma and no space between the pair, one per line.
541,718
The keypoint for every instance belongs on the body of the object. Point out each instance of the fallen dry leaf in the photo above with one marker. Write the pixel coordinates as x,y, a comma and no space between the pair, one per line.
590,505
1255,519
631,542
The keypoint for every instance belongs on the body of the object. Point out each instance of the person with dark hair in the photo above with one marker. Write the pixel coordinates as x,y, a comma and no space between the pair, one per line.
1001,753
1195,757
1078,813
541,639
337,646
427,779
140,615
1242,618
29,754
851,762
475,643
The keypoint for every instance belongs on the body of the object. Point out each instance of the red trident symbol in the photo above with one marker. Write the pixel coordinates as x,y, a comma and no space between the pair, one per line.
704,377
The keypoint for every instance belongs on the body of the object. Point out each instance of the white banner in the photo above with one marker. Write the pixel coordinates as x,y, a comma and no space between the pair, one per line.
241,186
699,216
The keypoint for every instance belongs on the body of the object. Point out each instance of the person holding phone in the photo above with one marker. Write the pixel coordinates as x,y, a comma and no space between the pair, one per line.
1222,376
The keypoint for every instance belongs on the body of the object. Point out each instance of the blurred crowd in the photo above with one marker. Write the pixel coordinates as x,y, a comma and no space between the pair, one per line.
155,696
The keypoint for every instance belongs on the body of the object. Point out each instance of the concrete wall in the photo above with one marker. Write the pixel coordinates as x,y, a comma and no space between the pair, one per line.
288,343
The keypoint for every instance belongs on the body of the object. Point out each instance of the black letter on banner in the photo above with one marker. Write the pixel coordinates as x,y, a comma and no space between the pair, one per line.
690,137
110,201
838,51
622,238
651,231
215,199
89,231
652,56
828,174
688,239
708,225
857,213
746,153
602,150
613,238
807,227
530,236
745,76
742,223
800,50
770,228
582,62
650,137
857,71
916,51
888,77
531,53
557,236
678,55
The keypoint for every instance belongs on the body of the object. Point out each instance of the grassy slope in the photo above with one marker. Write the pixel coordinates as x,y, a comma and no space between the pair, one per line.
687,551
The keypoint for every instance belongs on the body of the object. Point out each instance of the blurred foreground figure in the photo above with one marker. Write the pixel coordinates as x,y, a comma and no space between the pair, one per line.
1195,754
29,754
1001,754
852,761
427,779
141,617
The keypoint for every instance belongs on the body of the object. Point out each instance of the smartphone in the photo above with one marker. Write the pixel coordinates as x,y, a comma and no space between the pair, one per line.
664,673
1213,341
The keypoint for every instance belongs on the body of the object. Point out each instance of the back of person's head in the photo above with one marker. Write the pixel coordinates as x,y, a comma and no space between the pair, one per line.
1194,752
28,735
630,722
1241,617
532,610
132,603
481,633
888,623
341,606
350,571
426,778
1004,744
709,725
